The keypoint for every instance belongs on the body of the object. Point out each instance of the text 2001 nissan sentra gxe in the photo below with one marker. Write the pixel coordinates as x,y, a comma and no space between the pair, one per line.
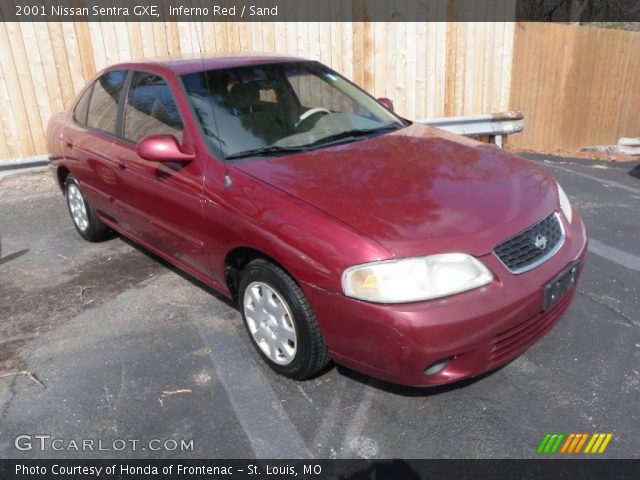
343,231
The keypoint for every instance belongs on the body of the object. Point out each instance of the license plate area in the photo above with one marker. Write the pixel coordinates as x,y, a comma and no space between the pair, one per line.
560,285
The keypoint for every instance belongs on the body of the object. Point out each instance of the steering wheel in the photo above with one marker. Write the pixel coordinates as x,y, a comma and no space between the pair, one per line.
309,113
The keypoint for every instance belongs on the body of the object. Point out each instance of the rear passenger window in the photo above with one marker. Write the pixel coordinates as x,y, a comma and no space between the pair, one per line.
103,108
82,107
150,109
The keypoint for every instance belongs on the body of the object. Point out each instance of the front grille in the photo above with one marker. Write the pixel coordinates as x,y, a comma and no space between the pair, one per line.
530,248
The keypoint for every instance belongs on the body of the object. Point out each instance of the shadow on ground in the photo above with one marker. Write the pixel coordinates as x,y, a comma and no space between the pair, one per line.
635,172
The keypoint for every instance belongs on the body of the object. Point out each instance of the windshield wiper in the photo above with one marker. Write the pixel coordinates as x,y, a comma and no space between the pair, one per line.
351,134
270,150
279,150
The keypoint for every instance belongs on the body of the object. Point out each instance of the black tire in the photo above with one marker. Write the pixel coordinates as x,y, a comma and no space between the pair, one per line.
94,229
311,355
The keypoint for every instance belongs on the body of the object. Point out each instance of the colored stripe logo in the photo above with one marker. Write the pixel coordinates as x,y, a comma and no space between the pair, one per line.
574,442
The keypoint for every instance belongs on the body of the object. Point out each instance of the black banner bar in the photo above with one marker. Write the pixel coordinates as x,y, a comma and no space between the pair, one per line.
320,11
319,469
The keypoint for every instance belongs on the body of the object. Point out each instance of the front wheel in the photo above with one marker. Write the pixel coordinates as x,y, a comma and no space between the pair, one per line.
85,221
280,321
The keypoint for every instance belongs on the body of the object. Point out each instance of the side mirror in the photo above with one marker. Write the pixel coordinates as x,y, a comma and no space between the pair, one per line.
162,148
386,103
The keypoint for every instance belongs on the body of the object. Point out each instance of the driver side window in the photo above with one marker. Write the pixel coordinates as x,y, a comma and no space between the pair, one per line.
150,109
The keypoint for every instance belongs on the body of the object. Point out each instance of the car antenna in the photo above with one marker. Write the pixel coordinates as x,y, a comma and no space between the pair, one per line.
227,178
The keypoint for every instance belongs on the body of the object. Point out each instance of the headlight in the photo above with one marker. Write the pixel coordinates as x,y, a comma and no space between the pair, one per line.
414,279
565,204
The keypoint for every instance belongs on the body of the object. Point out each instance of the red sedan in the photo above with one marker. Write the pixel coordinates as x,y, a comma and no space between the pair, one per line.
342,231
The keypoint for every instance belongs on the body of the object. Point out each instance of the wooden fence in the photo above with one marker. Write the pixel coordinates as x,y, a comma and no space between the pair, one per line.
578,86
428,69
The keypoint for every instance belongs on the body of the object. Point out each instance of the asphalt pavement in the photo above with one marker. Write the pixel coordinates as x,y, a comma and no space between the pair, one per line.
106,343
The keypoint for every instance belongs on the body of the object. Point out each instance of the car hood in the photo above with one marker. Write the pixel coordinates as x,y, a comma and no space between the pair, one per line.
418,190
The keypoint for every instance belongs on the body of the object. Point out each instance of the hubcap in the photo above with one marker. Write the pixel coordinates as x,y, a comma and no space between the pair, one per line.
270,322
77,207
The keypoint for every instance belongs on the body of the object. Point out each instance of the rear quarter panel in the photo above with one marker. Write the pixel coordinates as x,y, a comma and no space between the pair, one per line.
54,134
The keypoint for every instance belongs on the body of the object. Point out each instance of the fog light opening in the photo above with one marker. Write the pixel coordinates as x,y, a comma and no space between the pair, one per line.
436,367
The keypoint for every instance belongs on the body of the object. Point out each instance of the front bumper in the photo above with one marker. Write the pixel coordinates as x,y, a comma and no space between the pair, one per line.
477,330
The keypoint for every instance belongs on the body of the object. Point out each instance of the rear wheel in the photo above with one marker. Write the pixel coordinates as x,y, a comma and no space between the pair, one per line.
280,321
85,221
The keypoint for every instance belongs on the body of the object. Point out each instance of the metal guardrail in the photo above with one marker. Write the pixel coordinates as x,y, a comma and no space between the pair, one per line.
24,162
23,165
489,124
492,124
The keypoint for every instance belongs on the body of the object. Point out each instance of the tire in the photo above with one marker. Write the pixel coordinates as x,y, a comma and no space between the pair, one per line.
82,215
280,321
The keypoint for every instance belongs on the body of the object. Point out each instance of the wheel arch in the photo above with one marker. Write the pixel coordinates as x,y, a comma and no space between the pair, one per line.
62,173
238,258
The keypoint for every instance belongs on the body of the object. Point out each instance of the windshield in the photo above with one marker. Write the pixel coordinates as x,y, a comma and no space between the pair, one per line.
281,107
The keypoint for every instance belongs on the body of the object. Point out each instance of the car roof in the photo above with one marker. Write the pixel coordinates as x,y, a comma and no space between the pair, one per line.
196,63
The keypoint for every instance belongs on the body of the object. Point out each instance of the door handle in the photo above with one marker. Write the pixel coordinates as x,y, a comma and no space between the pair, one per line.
121,162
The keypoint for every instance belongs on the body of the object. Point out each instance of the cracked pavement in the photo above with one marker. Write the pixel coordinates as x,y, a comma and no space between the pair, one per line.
128,348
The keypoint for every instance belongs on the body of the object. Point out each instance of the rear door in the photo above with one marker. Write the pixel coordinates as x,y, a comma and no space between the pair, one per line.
163,201
89,143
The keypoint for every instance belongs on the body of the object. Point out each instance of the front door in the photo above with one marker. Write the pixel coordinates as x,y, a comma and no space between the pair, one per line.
162,201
